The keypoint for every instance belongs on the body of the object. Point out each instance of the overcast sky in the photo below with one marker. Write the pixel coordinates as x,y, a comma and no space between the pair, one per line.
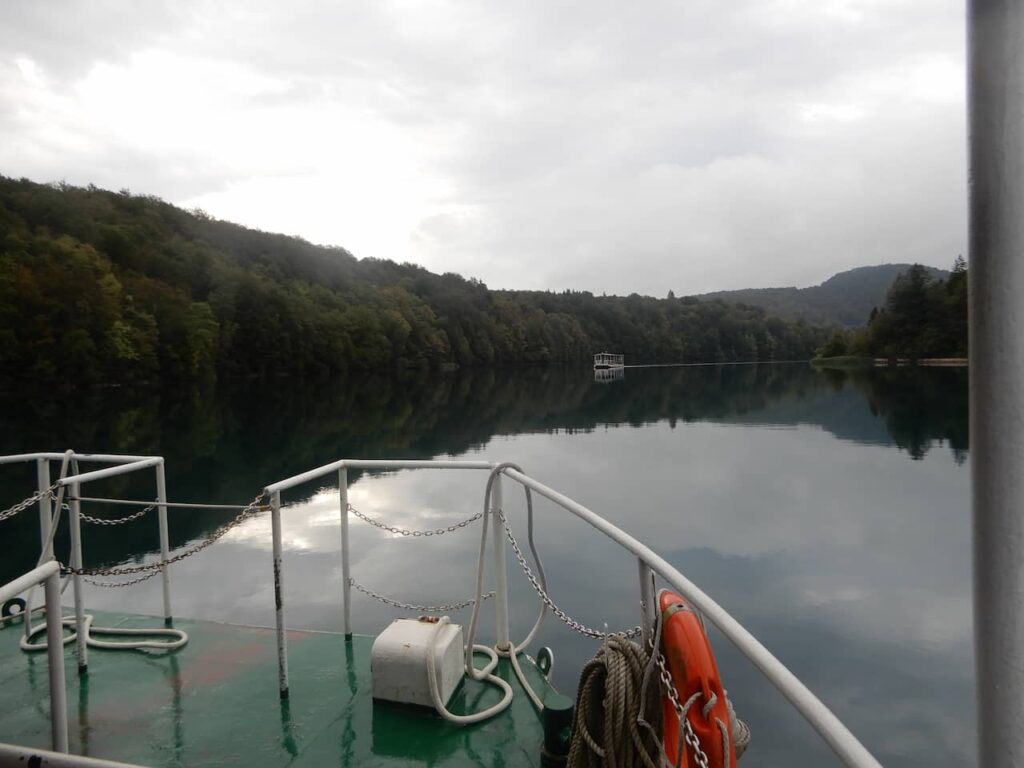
615,147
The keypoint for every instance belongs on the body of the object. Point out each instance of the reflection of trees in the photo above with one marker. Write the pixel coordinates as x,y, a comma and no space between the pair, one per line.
919,407
222,445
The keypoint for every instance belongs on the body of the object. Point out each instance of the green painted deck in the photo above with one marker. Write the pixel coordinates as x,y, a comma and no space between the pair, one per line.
215,702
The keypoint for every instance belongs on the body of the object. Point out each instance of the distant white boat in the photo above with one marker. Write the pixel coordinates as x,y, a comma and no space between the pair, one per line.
608,360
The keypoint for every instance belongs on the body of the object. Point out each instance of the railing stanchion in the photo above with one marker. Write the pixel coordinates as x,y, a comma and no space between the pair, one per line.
165,539
346,585
282,642
500,569
55,657
45,511
45,521
75,523
647,606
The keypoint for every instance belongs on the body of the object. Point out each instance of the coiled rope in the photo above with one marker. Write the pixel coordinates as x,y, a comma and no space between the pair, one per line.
617,721
609,726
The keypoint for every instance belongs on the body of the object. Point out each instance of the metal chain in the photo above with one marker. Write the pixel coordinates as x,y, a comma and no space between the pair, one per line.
689,735
583,629
411,607
21,506
117,520
248,511
403,532
118,584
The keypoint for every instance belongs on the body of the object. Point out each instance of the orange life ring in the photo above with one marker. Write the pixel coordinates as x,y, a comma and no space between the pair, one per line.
692,666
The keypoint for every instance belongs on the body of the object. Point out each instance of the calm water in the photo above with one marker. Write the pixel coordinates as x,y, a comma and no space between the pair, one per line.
828,512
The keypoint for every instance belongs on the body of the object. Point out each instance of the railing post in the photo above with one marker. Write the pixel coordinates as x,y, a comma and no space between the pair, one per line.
45,545
500,569
165,539
346,586
45,511
647,607
55,657
76,562
282,642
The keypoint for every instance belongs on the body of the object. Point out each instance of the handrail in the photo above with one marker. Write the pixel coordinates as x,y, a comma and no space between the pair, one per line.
846,746
19,757
841,740
107,458
119,469
334,466
122,464
48,574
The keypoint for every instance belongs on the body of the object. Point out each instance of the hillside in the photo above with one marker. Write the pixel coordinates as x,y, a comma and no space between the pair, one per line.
104,287
845,299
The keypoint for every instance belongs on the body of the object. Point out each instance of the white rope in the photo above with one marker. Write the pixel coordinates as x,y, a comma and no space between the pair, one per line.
179,635
485,675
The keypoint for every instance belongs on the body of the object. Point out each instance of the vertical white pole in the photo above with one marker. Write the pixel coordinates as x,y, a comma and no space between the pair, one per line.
45,521
55,654
346,587
647,606
45,512
500,569
282,642
76,563
165,538
996,283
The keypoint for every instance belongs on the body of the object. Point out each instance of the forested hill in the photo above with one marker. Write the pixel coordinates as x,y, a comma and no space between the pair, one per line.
103,287
846,298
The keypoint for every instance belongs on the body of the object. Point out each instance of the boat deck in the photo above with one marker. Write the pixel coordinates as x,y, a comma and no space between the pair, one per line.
215,702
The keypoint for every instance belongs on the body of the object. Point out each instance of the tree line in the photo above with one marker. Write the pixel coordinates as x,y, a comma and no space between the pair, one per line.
105,287
922,317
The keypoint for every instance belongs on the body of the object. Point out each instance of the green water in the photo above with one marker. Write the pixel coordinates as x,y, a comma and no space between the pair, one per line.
828,511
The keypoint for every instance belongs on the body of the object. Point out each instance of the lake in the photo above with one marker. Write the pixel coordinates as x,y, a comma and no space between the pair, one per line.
828,511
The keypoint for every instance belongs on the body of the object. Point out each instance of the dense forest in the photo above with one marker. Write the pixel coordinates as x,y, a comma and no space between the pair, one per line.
923,317
103,287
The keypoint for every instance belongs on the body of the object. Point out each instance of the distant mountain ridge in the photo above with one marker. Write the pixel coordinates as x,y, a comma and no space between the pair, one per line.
846,298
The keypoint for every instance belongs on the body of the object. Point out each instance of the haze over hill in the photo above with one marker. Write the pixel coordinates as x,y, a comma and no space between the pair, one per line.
846,298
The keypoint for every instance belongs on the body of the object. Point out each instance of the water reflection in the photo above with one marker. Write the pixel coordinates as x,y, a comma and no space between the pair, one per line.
606,375
813,505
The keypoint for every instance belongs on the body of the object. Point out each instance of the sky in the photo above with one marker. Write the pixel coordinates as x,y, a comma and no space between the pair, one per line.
690,145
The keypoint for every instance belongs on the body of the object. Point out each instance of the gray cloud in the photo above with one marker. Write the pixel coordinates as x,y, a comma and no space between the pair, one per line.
684,145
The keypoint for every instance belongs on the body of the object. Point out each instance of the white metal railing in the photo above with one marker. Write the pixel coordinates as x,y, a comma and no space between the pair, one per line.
835,733
120,465
20,757
845,745
48,574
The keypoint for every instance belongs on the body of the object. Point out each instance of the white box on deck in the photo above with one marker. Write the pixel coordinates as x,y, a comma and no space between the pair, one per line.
398,661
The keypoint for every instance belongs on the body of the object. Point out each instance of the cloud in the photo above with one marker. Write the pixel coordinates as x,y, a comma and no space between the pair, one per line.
684,145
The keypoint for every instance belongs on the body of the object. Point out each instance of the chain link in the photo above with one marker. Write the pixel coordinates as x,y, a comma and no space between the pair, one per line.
248,511
21,506
404,532
583,629
119,584
410,606
117,520
689,735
